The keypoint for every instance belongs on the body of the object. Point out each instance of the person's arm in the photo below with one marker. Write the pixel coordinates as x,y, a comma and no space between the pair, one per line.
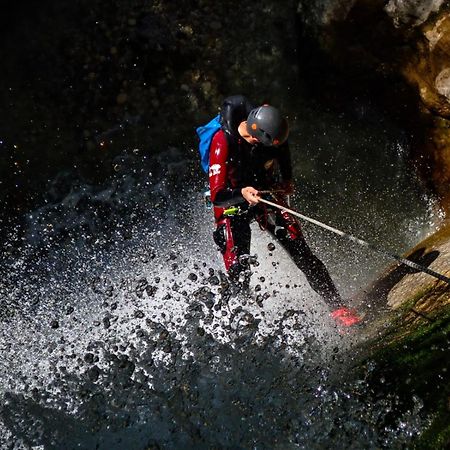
221,194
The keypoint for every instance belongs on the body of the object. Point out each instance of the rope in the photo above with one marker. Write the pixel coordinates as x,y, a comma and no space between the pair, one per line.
351,238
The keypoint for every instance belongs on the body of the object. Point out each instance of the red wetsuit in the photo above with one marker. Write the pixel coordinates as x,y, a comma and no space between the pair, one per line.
234,164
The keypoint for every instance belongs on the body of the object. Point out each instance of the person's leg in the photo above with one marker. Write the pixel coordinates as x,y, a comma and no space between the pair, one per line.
314,269
287,231
233,236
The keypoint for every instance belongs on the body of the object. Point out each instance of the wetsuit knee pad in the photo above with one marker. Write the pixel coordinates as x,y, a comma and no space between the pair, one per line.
280,233
287,227
220,238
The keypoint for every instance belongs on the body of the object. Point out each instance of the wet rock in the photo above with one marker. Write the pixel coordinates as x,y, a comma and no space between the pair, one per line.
415,315
192,277
411,13
442,83
94,373
89,358
139,314
410,57
106,322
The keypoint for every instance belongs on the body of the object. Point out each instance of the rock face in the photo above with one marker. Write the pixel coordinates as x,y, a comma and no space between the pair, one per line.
411,12
409,347
423,295
399,49
81,82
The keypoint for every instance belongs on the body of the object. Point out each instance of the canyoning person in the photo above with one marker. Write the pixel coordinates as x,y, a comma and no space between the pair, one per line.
248,155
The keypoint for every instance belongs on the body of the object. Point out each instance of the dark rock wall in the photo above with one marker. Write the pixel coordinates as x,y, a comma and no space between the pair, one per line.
396,52
82,81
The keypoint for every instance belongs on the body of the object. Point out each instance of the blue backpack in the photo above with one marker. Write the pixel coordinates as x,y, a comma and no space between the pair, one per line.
206,134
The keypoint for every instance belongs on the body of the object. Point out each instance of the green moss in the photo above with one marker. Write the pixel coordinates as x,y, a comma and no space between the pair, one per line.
411,302
398,330
417,342
437,435
415,361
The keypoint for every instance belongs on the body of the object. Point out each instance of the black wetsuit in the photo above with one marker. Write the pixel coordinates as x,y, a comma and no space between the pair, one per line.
234,164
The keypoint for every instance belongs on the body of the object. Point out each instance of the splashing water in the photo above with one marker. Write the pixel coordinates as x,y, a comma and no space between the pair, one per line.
145,345
119,330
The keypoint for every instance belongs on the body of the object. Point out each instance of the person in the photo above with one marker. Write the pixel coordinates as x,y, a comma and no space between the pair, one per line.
249,155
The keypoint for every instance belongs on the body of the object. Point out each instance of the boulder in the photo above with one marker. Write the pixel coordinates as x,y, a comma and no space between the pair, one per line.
417,297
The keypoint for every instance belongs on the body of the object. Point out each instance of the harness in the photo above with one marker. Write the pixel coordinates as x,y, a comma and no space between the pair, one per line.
260,213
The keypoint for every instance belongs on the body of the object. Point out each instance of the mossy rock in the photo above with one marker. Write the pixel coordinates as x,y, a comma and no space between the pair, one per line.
409,344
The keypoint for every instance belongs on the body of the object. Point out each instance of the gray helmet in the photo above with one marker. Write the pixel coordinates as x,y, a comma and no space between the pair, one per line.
267,125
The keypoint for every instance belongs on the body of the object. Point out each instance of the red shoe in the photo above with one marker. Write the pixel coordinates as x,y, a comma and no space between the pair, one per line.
345,317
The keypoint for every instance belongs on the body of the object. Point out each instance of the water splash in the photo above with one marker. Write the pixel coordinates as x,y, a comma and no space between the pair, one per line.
119,330
143,344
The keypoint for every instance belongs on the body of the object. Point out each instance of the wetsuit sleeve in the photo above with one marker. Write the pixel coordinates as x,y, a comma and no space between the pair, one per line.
285,162
222,194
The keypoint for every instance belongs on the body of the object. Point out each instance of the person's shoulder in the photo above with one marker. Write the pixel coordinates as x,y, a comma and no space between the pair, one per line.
220,138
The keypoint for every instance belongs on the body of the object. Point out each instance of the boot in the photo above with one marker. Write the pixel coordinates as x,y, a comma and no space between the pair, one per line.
345,317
